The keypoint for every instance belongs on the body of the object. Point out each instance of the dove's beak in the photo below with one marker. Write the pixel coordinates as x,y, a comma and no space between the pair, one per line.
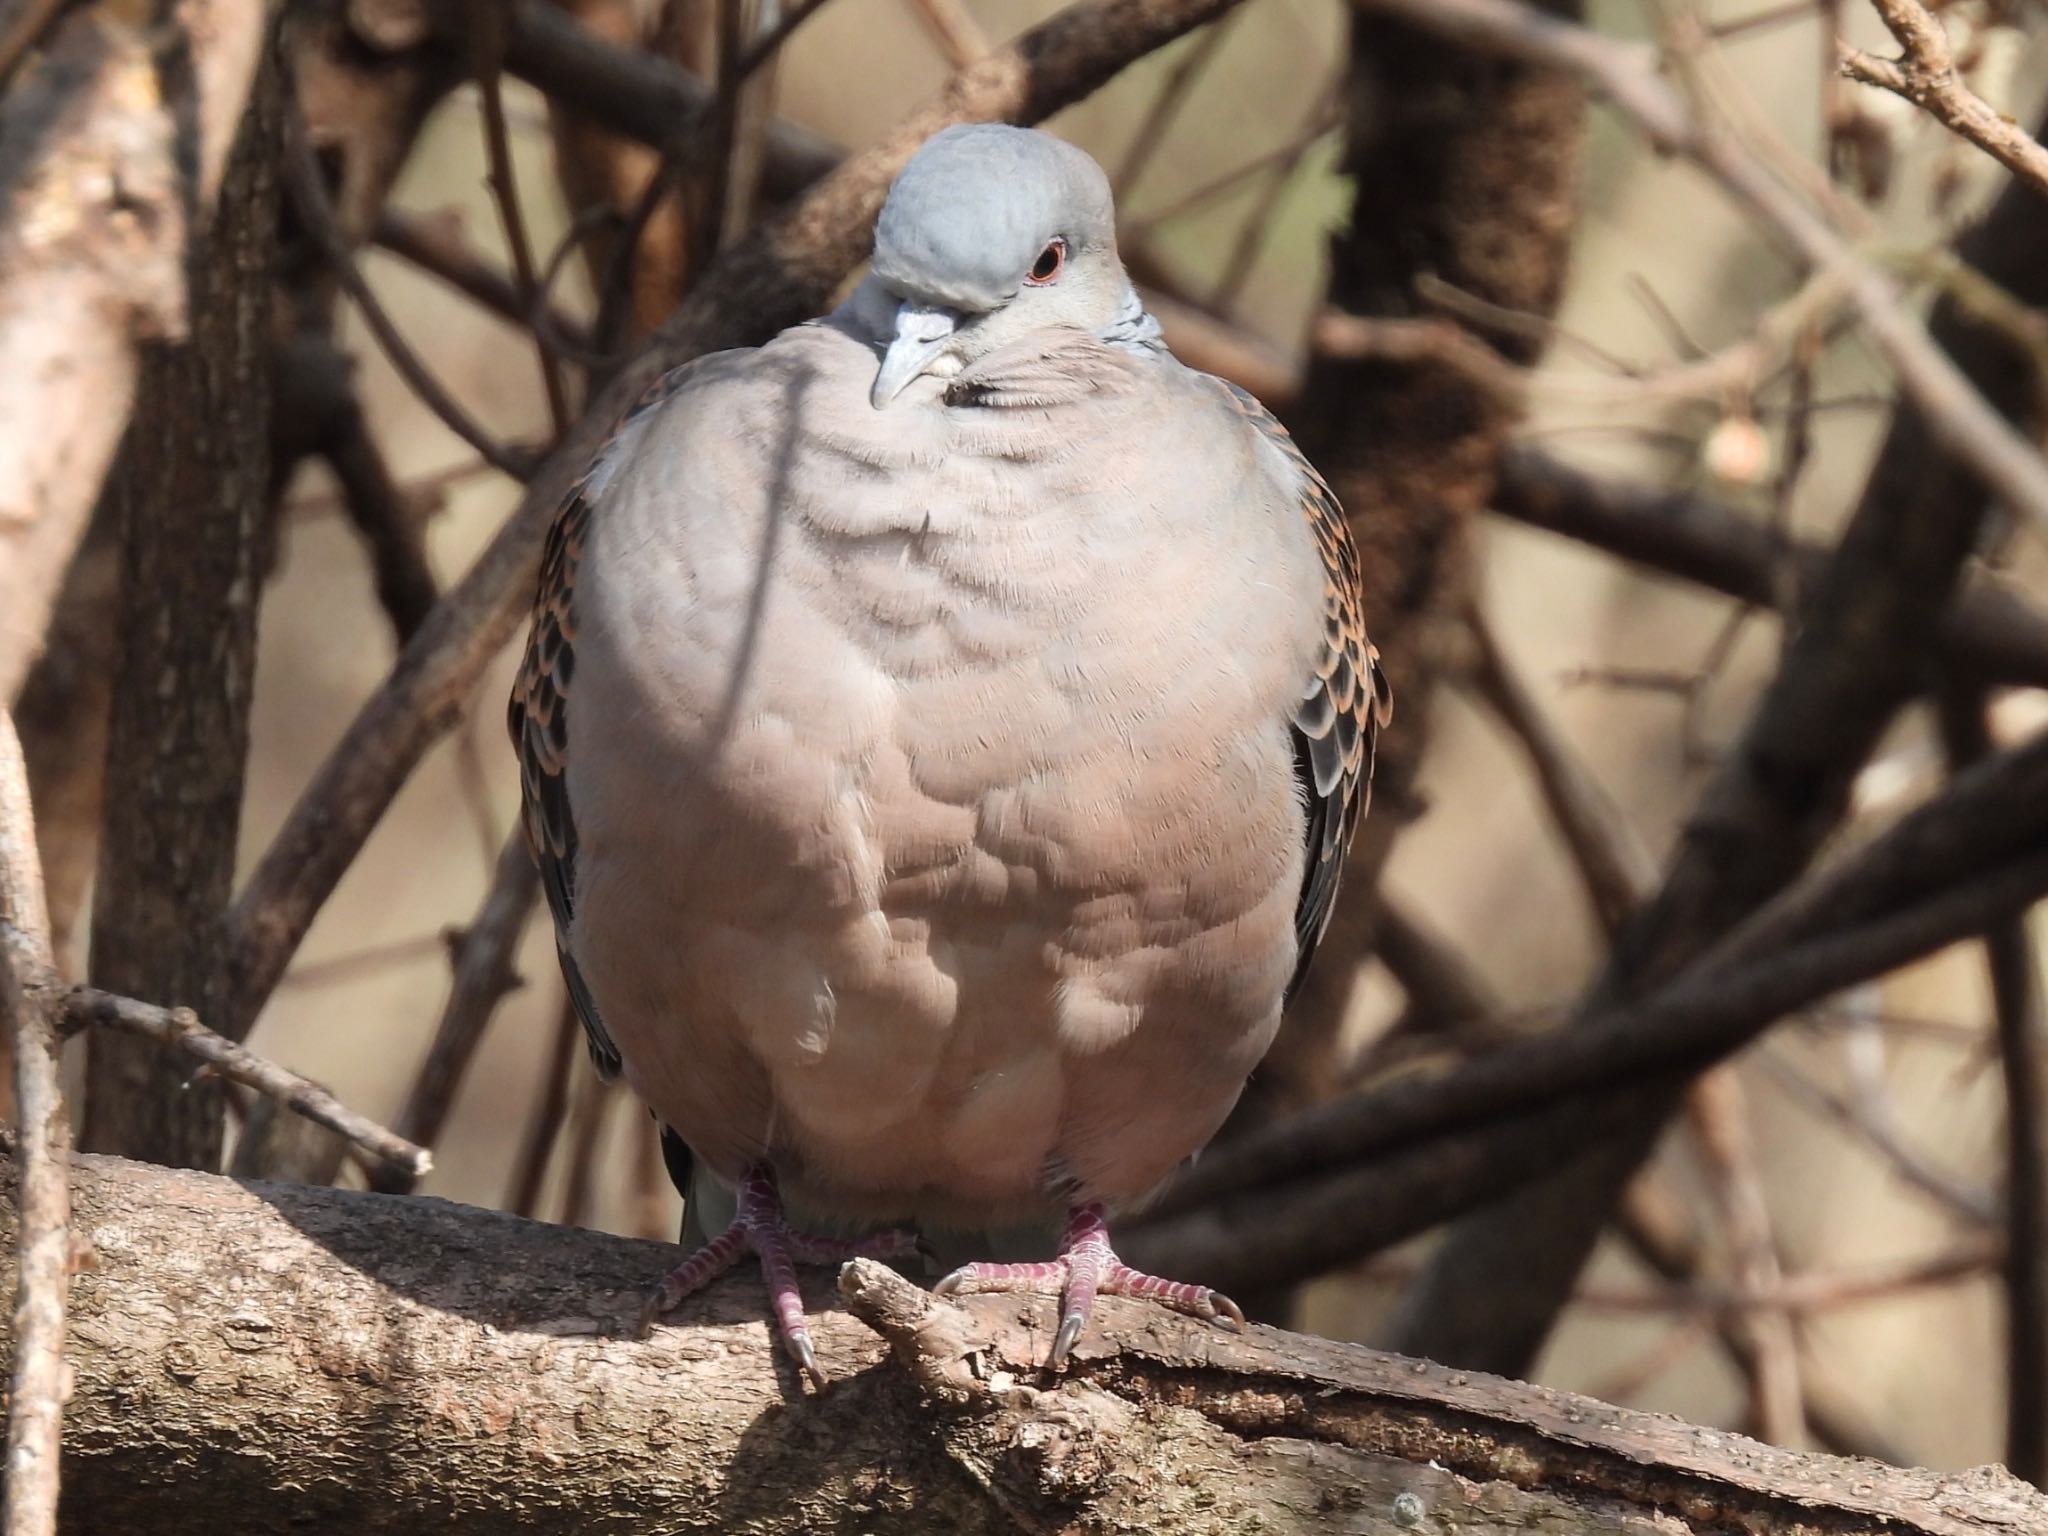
924,332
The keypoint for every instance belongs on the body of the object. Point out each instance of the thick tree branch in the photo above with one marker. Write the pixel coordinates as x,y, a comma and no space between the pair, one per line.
41,1243
314,1360
1989,629
92,235
192,490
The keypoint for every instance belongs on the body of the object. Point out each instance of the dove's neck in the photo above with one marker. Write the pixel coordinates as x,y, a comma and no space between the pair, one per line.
1134,325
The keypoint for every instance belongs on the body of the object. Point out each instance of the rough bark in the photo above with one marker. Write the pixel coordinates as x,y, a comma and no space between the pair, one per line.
93,220
191,492
278,1358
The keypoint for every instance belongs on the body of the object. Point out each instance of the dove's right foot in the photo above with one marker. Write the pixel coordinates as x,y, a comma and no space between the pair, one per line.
760,1228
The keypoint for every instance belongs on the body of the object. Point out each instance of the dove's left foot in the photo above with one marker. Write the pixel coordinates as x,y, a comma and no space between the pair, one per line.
760,1228
1088,1266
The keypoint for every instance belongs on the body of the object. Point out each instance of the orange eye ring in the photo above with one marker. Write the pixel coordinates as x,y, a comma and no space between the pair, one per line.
1052,261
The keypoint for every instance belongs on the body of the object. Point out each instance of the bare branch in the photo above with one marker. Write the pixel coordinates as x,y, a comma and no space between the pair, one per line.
487,33
92,233
434,244
1989,629
483,978
1926,75
179,1029
29,992
1956,413
299,1340
309,198
1859,916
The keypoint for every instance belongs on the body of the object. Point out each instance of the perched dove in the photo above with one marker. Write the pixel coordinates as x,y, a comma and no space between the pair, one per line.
941,731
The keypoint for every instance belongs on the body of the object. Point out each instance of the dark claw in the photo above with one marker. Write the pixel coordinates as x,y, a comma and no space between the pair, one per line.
1064,1341
807,1359
1227,1309
650,1314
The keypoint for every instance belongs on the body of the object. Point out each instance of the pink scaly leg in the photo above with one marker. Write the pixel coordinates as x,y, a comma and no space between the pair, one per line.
760,1228
1088,1266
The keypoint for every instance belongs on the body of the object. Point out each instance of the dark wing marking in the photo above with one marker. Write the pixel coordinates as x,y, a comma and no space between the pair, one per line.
1344,704
538,717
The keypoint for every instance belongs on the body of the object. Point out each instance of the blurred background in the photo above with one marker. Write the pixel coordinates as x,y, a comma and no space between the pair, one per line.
1854,1154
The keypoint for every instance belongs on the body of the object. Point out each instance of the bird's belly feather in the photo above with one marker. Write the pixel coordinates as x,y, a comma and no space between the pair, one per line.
961,914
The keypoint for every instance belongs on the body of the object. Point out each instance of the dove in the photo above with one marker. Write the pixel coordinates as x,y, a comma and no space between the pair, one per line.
940,735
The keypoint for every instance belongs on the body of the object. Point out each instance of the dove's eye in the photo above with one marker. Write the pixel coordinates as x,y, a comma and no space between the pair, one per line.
1051,261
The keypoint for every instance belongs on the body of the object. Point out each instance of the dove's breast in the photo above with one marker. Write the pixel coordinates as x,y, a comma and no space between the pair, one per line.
939,837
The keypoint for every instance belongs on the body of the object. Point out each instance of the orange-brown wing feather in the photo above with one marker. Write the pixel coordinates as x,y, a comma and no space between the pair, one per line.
538,717
1344,704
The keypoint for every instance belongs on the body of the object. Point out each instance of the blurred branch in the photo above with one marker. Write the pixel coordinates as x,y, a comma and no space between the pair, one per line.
2023,1054
29,1003
308,196
1613,865
484,977
322,411
1959,417
1719,1113
780,274
1871,1120
434,244
1371,1169
1977,848
1166,104
178,1030
544,1124
487,41
92,239
1777,794
1475,164
958,36
1656,1230
495,1332
1988,628
1926,75
634,93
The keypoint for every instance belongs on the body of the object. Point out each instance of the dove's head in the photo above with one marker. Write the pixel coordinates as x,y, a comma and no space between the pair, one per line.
991,233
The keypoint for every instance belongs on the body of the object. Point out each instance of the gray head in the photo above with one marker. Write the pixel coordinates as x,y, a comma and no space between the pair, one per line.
990,233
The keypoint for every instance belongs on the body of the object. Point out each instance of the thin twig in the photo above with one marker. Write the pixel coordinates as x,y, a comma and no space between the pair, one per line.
2023,1055
1875,1129
434,244
958,35
1718,1109
483,977
1926,75
544,1127
1613,865
1989,628
29,1002
487,35
1957,414
316,214
588,1116
1173,91
179,1029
